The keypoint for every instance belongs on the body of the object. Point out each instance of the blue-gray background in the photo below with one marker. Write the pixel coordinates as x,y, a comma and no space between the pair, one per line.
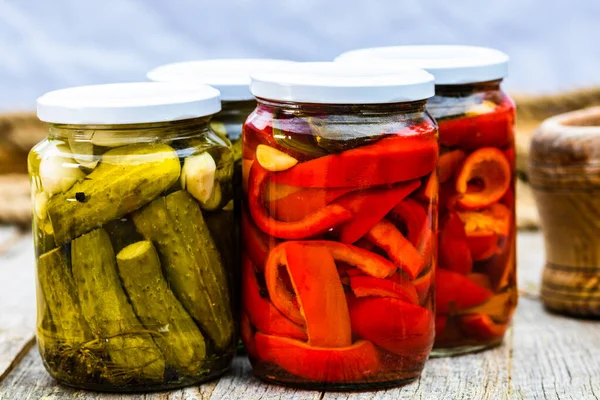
48,44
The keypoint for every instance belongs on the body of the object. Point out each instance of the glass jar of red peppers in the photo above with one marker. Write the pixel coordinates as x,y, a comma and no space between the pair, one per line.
476,289
339,226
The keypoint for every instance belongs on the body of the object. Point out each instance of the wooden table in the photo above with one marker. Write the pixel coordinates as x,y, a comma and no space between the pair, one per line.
544,356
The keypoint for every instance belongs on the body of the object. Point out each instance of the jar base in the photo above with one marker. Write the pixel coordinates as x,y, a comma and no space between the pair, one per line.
441,352
338,387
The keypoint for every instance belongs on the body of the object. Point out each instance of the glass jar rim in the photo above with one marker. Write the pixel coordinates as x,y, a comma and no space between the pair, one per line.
128,103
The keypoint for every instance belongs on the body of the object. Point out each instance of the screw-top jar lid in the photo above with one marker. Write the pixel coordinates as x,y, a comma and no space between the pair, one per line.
343,83
230,76
451,65
128,103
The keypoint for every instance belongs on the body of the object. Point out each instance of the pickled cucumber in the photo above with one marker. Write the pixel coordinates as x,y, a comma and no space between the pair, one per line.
104,305
159,310
122,233
191,262
60,295
127,178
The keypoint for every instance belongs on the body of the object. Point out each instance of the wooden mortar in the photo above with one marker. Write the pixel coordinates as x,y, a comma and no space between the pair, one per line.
564,172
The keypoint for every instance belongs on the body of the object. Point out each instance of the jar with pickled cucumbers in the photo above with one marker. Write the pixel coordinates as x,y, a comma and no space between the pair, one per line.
476,286
339,226
132,202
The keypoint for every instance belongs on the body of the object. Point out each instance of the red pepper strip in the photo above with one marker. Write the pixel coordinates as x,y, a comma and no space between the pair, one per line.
414,217
440,324
449,163
482,246
368,207
489,166
495,219
303,203
312,225
454,253
247,335
456,290
370,263
256,243
325,365
354,272
481,279
397,247
482,326
493,129
397,326
318,290
262,314
398,158
423,284
364,286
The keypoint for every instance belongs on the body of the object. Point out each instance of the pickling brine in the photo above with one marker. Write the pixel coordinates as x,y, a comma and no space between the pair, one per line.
132,228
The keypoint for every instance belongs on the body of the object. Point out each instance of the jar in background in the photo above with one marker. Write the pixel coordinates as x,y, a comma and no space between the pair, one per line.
339,226
476,286
130,193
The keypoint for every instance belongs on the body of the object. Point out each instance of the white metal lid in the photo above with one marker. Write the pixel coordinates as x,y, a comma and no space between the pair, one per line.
230,76
128,103
451,65
343,83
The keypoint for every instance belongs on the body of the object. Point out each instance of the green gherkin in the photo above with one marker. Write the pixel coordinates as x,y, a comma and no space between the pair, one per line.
191,262
158,309
127,178
60,295
104,305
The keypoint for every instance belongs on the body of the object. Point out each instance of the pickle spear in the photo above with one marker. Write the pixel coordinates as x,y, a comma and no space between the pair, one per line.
127,178
191,261
60,295
156,306
111,318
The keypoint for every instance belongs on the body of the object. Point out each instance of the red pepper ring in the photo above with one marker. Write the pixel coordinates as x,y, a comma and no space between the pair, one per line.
317,289
346,364
261,312
397,247
319,222
365,286
490,166
400,157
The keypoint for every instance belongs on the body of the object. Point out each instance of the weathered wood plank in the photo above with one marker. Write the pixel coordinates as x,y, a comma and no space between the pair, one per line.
17,297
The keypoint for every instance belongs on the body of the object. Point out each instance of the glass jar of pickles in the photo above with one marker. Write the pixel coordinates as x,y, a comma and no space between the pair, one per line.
339,226
132,194
476,287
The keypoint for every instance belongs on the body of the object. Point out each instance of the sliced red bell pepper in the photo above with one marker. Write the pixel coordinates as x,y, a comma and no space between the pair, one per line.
414,218
440,324
386,236
423,285
364,286
482,245
247,335
456,291
256,242
297,206
481,326
261,312
454,253
495,219
495,129
400,157
319,222
449,164
326,365
397,326
490,169
354,272
318,290
368,207
370,263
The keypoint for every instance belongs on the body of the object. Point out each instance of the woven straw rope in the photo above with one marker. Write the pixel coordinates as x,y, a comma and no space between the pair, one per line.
19,131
